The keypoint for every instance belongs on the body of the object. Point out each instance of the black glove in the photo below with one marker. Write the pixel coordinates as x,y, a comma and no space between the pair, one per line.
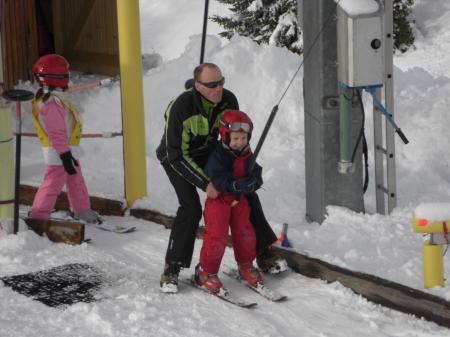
68,161
256,175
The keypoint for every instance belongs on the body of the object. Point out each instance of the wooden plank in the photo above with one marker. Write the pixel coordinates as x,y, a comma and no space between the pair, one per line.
387,293
58,26
58,231
166,221
93,62
19,40
90,44
2,40
10,46
103,206
153,216
31,38
82,17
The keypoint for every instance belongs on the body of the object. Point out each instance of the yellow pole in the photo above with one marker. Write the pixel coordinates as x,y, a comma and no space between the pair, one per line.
433,265
6,162
132,100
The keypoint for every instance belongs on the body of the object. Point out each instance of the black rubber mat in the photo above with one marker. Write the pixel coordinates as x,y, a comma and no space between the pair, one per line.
60,286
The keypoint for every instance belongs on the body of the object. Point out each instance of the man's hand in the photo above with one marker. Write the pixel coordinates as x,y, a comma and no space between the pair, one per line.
211,191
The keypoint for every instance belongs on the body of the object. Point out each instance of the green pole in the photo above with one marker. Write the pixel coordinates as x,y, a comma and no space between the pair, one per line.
345,164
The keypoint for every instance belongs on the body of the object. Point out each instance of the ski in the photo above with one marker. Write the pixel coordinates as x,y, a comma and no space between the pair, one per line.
222,294
259,288
120,229
103,225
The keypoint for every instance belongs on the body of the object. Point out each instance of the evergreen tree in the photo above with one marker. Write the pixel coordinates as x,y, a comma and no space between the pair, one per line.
275,22
264,21
403,35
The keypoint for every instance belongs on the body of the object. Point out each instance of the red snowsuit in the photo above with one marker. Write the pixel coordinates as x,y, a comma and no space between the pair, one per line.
219,216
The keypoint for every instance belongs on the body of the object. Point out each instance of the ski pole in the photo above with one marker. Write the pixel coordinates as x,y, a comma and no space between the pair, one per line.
84,135
90,85
388,116
205,23
261,140
17,95
260,144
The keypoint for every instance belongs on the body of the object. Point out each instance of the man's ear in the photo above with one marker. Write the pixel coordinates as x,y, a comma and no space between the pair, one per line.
189,84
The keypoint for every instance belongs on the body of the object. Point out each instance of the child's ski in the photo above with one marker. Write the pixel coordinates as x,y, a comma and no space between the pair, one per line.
120,229
223,294
260,288
102,224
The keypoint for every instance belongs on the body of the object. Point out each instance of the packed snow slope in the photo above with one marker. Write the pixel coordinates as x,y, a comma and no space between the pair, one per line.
380,245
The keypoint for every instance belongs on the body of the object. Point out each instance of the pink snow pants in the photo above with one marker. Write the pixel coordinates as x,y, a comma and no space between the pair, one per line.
219,216
54,179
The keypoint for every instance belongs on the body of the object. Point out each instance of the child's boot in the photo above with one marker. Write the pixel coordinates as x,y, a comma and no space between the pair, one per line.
89,216
209,281
250,274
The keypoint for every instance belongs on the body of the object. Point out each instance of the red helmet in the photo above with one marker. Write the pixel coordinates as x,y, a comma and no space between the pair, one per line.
234,121
52,70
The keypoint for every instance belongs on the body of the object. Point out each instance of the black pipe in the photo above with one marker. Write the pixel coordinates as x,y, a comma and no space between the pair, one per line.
17,95
17,168
263,137
205,23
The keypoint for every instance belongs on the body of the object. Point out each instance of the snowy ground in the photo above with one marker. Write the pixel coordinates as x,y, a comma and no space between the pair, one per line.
380,245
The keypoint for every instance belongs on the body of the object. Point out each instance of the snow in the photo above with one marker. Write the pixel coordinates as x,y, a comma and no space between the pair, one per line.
383,245
358,7
438,211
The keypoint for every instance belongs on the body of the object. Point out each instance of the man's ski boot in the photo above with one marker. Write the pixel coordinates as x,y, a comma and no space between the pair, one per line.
250,274
88,216
268,262
211,282
169,278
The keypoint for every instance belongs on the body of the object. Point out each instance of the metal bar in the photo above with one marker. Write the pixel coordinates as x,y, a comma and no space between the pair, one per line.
84,135
389,103
261,140
17,168
378,156
205,24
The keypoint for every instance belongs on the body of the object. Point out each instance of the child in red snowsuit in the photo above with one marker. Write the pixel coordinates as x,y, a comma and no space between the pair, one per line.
59,128
227,168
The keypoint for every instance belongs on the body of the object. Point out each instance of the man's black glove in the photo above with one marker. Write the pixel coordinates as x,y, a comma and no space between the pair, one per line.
256,175
249,184
68,161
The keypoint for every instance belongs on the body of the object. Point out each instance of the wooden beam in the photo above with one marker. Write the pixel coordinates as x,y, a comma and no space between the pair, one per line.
80,22
103,206
387,293
59,231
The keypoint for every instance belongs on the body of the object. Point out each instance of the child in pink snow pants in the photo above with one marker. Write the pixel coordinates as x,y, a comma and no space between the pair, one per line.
227,168
59,128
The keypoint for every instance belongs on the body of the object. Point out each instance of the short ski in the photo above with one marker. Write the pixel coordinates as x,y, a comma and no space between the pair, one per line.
223,294
259,288
103,225
120,229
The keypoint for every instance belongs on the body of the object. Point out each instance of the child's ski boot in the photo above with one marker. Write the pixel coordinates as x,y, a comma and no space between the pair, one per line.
211,282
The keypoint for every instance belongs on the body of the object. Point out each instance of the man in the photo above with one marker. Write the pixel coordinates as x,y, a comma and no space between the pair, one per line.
190,135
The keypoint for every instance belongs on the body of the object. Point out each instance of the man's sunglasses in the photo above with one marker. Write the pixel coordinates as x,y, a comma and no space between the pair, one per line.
213,85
